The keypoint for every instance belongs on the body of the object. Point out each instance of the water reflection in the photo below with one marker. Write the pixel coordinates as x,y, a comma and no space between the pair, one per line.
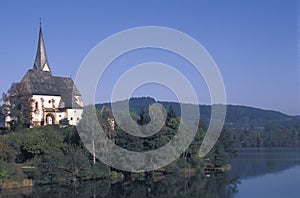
176,185
250,164
268,172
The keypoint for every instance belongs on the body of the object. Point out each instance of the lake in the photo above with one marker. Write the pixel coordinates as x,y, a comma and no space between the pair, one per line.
268,172
263,172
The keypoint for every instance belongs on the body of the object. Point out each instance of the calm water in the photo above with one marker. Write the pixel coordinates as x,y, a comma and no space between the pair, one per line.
268,172
255,173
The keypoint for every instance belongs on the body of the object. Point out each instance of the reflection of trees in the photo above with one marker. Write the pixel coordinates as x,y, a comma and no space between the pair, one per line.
254,162
84,189
175,185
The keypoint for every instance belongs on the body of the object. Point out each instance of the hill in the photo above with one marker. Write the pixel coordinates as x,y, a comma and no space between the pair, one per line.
248,123
236,117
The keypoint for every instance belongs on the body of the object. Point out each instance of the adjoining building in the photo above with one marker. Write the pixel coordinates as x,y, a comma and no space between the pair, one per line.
53,98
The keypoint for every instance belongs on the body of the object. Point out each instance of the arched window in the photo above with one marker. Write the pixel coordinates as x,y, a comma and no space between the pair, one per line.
49,119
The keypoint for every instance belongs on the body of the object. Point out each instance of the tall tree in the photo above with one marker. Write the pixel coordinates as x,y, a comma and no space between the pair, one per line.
171,114
143,118
172,120
18,101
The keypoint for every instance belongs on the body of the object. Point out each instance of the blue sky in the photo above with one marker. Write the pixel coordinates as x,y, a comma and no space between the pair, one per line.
254,43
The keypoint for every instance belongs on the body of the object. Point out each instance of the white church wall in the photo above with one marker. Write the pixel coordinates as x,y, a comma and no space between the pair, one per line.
47,101
43,101
74,116
60,116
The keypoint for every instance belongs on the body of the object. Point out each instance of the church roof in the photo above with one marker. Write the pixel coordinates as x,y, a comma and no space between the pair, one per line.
40,81
43,83
41,60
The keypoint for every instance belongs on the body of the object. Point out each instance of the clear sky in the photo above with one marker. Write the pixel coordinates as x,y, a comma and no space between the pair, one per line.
255,43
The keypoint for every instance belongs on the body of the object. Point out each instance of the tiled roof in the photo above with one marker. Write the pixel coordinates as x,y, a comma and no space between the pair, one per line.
43,83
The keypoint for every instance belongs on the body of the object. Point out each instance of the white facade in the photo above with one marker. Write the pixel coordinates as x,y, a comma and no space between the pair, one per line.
74,116
47,110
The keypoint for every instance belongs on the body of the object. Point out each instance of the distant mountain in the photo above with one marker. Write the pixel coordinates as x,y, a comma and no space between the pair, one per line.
236,117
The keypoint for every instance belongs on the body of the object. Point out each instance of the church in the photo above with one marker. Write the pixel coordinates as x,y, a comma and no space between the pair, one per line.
53,98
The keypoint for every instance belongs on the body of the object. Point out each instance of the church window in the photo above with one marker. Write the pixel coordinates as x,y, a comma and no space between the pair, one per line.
36,105
71,118
42,100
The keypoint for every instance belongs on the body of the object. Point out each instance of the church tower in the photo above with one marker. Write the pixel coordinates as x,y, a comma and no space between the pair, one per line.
52,98
41,60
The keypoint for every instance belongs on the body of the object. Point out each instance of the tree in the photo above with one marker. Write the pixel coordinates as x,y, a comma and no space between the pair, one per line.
3,172
223,150
18,102
107,122
76,164
194,147
7,153
171,113
64,122
48,170
2,112
172,120
143,118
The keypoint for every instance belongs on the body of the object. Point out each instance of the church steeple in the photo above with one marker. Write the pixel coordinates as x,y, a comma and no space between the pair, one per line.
41,61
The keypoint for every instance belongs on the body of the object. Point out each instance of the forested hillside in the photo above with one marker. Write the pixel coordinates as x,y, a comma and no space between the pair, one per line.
56,154
250,126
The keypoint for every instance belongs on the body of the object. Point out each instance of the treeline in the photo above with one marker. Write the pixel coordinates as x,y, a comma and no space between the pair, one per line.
270,135
219,156
250,127
56,154
236,116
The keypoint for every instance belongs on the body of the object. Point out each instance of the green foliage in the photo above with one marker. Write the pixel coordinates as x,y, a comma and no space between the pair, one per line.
104,117
271,135
59,155
190,158
48,168
100,170
7,153
64,122
4,174
172,120
223,150
143,118
34,144
18,103
56,153
251,126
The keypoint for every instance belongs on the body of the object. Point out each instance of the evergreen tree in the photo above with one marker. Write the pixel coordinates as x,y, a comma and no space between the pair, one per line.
143,118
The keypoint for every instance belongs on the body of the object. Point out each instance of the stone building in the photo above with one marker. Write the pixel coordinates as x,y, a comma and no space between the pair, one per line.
53,98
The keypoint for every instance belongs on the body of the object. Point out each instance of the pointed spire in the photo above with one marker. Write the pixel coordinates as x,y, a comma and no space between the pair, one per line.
41,61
